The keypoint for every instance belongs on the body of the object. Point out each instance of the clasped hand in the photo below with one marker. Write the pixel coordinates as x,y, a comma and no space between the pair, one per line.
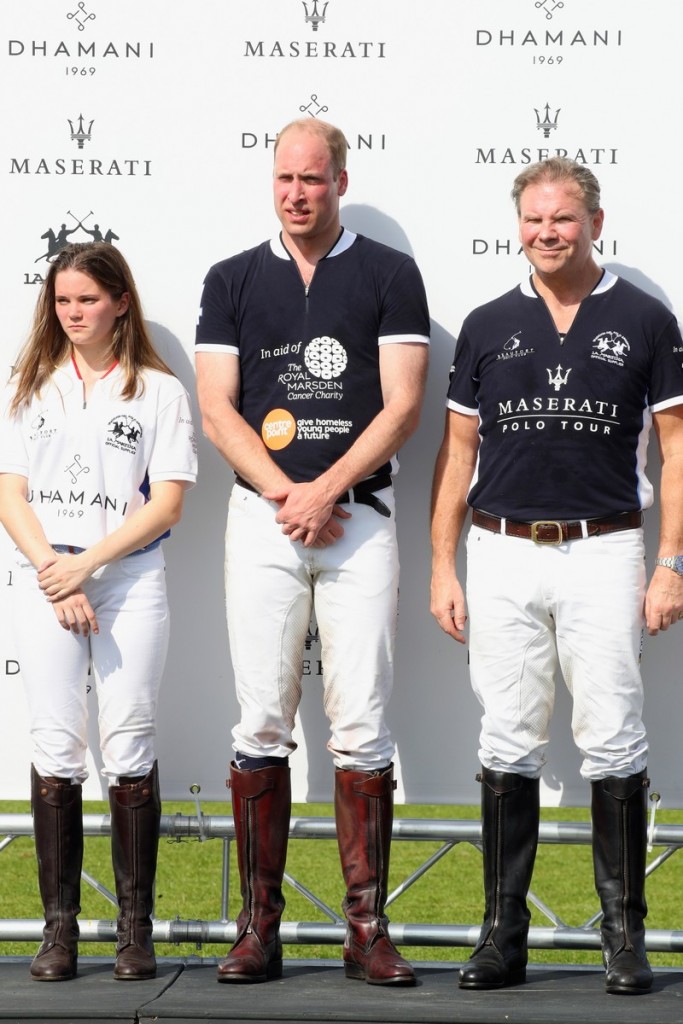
304,518
60,579
62,575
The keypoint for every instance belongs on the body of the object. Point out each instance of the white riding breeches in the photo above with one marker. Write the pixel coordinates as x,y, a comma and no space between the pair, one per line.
272,587
125,661
576,606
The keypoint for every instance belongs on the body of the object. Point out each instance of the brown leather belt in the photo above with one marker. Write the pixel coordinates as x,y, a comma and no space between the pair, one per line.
363,493
553,531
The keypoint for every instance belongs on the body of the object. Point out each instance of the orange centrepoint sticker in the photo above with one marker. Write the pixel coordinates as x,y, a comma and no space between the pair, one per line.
278,429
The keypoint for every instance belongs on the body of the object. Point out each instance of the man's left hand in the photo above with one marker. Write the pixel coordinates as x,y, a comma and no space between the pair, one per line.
664,600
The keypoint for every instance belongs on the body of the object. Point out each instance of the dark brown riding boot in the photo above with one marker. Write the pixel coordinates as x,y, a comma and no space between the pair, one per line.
261,806
58,826
135,815
619,810
510,813
364,809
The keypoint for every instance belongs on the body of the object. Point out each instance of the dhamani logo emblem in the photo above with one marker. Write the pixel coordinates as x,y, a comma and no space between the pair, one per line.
549,7
78,17
278,429
81,16
313,109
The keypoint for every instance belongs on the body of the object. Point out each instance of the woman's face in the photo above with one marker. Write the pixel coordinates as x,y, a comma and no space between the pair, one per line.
87,312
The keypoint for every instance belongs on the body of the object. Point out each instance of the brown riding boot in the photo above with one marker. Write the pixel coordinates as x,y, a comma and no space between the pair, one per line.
261,806
364,803
58,826
619,811
135,807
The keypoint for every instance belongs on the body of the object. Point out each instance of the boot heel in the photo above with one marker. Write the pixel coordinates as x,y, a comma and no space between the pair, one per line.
355,972
274,970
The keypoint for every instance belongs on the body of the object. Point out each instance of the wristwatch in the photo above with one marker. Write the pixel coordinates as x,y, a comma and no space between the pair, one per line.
675,562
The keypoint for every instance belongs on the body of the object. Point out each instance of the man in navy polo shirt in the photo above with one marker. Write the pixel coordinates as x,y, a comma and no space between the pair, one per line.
553,391
311,363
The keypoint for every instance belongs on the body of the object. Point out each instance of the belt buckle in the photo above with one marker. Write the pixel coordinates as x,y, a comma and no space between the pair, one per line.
546,522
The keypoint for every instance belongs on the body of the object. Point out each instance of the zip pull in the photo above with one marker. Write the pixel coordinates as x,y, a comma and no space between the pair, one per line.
655,800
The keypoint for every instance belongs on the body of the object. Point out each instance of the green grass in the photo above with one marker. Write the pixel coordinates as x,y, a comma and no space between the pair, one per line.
189,882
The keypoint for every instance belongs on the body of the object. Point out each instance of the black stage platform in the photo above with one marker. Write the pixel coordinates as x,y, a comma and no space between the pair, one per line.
317,991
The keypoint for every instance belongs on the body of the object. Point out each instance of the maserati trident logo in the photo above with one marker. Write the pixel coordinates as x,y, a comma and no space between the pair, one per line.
80,134
315,17
546,124
81,16
559,379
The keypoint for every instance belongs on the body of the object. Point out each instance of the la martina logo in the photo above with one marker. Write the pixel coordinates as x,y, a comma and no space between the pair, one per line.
124,433
610,347
82,226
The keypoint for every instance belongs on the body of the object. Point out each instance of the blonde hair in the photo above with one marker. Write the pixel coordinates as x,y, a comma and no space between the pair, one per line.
333,138
559,168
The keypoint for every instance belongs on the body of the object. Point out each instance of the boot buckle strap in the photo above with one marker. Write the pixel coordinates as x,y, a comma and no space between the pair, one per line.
375,785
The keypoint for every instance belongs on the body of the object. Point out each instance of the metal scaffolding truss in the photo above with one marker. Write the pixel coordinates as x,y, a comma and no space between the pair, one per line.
557,935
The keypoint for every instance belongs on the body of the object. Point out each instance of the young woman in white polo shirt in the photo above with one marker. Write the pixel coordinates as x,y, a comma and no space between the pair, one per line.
96,451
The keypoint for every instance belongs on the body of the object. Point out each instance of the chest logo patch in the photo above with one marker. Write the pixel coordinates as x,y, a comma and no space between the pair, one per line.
124,433
512,349
610,347
39,431
278,429
558,379
325,358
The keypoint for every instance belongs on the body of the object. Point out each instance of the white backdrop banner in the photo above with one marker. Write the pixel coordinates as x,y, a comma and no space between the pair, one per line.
151,125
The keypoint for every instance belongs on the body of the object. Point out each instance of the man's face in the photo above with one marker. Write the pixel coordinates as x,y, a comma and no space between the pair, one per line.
305,192
556,230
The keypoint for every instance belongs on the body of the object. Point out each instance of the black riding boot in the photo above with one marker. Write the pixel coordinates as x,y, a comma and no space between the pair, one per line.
510,813
135,816
619,809
58,826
